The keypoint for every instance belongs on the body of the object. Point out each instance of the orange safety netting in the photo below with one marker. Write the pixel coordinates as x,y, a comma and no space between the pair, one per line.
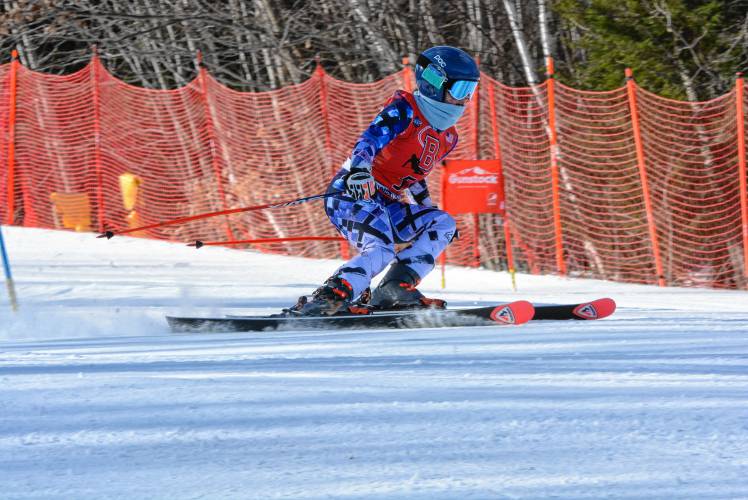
622,185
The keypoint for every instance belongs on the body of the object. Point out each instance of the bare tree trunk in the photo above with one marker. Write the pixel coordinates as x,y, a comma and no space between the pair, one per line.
387,56
519,38
475,37
432,31
189,37
238,11
543,25
25,50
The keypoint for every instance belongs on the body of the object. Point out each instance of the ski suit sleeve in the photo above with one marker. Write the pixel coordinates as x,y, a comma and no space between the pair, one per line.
420,193
388,124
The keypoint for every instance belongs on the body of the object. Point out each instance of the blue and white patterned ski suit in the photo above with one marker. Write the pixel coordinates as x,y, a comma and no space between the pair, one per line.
401,149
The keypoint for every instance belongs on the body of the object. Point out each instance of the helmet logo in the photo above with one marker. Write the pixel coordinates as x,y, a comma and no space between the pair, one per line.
441,61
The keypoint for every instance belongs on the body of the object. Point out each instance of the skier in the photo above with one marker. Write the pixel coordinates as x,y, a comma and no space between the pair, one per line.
385,200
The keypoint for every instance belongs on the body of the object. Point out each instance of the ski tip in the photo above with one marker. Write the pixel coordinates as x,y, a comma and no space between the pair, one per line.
597,309
514,313
106,234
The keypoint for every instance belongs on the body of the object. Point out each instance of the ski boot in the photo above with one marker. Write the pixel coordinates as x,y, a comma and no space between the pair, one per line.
332,297
397,290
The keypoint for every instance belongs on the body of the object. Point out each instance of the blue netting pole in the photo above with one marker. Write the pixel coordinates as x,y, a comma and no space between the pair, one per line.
8,276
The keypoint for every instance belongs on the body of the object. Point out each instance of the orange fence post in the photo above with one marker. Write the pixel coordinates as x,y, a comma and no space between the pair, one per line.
97,137
740,118
203,76
324,109
29,218
476,155
407,82
631,90
497,156
476,239
553,142
11,205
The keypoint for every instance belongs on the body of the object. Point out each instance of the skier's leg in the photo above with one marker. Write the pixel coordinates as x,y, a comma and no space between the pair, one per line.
366,225
429,231
360,270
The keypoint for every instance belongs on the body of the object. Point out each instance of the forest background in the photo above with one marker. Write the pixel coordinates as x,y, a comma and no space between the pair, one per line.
678,48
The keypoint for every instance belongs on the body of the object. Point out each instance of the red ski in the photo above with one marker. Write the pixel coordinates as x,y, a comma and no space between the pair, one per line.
596,309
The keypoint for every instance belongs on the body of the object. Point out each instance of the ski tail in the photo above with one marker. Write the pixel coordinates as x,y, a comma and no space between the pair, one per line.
596,309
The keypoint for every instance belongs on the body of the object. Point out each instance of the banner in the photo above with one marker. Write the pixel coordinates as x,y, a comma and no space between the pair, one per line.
473,186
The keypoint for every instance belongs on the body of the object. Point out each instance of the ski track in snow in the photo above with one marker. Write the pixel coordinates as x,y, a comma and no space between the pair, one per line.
99,400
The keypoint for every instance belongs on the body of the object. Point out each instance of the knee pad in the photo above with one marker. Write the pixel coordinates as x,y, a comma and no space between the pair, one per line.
379,256
445,226
448,221
385,254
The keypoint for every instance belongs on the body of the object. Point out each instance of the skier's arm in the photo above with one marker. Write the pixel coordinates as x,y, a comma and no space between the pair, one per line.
388,124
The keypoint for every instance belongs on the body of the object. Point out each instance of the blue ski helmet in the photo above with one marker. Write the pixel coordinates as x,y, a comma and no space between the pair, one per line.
445,69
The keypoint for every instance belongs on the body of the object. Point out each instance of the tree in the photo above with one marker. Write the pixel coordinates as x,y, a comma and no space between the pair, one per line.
677,48
680,48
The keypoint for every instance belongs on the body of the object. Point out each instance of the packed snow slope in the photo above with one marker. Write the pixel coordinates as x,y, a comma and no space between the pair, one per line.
99,400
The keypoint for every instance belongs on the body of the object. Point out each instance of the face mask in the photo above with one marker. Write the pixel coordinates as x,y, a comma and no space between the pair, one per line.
441,115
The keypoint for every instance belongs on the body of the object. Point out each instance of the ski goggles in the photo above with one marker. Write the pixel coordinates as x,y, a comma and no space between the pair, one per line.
461,89
458,89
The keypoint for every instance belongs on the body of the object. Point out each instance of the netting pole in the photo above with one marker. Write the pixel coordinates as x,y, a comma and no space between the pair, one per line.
29,218
502,191
203,77
476,155
11,205
553,142
740,118
319,72
631,90
97,136
407,82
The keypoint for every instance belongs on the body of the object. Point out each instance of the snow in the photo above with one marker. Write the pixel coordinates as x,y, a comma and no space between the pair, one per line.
99,400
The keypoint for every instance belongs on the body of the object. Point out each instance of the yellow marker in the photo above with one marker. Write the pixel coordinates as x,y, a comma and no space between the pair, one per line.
514,279
129,185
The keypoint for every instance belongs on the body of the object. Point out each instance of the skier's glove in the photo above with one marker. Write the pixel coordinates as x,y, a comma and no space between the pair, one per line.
360,185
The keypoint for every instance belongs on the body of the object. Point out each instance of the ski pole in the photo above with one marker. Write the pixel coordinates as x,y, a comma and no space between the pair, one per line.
8,276
199,244
109,234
